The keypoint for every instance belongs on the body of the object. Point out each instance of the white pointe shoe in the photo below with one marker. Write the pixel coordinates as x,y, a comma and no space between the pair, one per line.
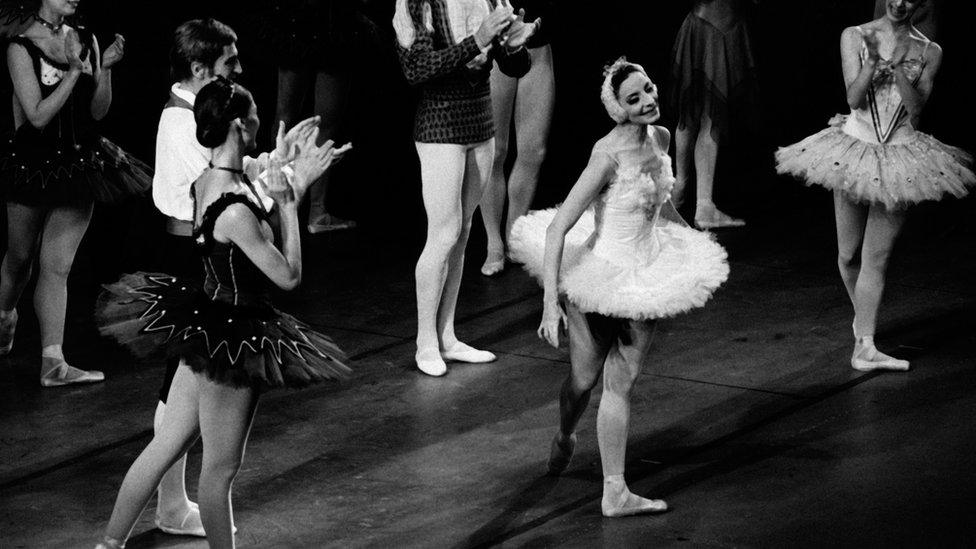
462,352
631,505
494,263
59,373
429,361
190,525
867,358
710,217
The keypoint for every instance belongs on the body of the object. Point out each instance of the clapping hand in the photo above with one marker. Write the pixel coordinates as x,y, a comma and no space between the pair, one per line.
114,53
872,43
497,21
73,49
312,161
519,31
900,53
275,185
287,144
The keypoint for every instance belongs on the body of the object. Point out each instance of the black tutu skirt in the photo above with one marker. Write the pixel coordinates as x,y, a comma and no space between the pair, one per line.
38,171
323,35
251,345
713,69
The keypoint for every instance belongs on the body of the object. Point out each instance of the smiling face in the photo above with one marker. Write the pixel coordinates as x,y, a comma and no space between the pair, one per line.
62,8
228,64
899,11
638,97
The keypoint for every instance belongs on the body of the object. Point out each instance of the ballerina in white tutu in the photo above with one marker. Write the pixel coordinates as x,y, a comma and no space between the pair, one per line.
616,266
876,163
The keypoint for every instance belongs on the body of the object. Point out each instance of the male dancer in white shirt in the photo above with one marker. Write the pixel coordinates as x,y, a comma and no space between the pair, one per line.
202,50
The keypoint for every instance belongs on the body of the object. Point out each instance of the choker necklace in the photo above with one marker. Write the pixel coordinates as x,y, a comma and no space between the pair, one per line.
226,169
49,25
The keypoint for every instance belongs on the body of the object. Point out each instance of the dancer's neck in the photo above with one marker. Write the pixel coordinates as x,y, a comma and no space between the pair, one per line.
637,132
228,155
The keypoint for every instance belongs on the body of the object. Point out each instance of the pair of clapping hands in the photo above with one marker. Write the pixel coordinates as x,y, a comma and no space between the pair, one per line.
508,26
873,43
308,161
73,50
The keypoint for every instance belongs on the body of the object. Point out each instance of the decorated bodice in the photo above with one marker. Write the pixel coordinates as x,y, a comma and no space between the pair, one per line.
73,124
884,116
628,209
229,275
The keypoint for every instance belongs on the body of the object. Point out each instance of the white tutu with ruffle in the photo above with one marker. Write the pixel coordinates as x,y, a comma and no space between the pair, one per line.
909,168
637,274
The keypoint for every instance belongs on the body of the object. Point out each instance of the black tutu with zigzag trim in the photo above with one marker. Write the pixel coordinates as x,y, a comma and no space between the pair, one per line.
251,344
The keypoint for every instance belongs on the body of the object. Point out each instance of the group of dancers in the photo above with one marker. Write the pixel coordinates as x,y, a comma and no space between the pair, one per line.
612,259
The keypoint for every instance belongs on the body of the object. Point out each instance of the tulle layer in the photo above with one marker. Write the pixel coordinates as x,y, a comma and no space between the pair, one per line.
915,169
712,70
255,345
34,171
684,274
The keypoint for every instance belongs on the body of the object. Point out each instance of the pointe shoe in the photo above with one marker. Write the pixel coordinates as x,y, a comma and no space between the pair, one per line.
867,358
7,328
59,373
461,352
713,218
429,361
630,504
110,543
560,455
494,263
190,525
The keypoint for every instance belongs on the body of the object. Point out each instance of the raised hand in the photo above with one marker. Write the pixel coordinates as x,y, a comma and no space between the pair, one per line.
275,185
287,144
73,49
519,31
114,53
872,42
552,316
313,161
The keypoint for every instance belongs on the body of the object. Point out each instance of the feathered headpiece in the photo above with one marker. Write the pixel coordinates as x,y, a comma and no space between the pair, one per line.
608,95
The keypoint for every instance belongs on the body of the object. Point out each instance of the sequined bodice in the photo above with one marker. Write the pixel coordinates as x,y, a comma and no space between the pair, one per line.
627,211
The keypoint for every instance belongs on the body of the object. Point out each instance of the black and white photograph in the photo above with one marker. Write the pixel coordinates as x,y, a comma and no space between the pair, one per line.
487,273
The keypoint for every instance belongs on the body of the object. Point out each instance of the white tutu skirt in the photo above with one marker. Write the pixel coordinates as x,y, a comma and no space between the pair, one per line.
687,269
911,170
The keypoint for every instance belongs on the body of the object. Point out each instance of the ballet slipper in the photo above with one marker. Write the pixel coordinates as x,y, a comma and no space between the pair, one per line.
8,326
618,501
867,358
461,352
710,217
561,453
429,361
494,263
110,543
56,373
190,525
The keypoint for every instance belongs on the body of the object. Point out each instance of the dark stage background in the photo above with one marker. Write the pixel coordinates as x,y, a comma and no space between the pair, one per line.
800,77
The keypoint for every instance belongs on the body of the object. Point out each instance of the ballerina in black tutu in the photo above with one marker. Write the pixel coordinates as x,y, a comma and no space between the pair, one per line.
54,168
233,343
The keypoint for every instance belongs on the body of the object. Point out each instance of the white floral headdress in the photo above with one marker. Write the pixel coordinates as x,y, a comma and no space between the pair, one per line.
607,94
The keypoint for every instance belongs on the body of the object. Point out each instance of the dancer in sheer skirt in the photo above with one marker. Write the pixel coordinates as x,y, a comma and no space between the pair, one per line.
233,343
617,257
875,161
53,170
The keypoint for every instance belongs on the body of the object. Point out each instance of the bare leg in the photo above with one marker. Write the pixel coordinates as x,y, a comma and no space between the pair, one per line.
476,169
179,430
624,363
24,225
226,414
851,218
590,339
175,513
442,171
707,215
63,230
503,90
331,95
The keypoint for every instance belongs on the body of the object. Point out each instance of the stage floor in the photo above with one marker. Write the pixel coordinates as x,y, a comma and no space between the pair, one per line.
748,420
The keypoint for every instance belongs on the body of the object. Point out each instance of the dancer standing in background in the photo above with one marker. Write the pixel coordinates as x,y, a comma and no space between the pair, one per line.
54,169
713,73
202,50
528,102
616,268
231,341
447,48
876,162
315,44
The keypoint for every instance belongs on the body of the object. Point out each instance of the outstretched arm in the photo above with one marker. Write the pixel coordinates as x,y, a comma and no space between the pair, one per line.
597,172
